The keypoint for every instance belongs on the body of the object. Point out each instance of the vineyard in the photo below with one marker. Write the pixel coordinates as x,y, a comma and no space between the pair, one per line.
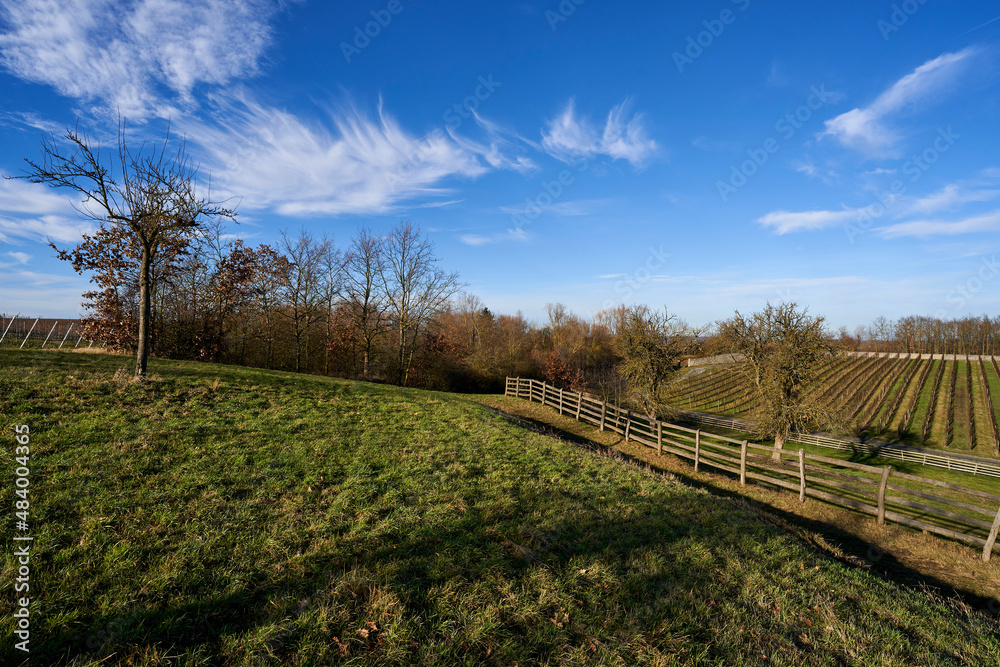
938,403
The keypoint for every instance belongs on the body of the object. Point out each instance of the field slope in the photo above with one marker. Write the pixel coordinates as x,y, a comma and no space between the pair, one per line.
224,516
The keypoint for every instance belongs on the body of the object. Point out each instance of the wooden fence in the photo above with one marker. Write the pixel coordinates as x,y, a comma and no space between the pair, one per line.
958,463
917,502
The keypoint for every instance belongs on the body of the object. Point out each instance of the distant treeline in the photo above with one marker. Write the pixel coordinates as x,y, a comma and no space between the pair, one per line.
917,333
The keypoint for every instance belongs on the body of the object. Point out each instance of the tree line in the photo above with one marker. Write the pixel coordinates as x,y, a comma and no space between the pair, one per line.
926,335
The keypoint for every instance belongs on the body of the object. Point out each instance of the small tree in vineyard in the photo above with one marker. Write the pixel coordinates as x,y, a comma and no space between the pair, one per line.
650,345
783,348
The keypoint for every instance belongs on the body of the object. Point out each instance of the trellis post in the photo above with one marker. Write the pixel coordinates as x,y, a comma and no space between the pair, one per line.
54,324
66,336
9,324
28,334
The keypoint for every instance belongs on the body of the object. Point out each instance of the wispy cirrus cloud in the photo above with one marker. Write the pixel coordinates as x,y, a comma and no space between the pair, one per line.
568,137
868,129
353,164
785,222
954,196
502,147
513,234
567,208
988,222
36,213
137,58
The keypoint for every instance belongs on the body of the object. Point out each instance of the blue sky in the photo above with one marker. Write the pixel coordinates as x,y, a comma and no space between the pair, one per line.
707,158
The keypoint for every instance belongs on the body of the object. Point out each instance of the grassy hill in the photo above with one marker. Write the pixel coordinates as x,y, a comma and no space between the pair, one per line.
226,516
949,405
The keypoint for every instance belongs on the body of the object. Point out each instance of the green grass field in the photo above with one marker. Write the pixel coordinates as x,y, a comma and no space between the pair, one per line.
725,387
227,516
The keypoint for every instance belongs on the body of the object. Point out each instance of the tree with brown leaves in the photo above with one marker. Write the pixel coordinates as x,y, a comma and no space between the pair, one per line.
149,197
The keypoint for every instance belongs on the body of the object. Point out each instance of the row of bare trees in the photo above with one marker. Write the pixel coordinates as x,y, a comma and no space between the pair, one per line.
303,305
928,335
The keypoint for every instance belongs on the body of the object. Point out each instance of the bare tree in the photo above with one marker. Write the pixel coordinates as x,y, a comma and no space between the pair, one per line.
650,345
415,288
792,345
150,196
749,336
364,292
303,287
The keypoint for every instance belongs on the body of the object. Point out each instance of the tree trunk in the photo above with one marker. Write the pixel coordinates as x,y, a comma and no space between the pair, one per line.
145,271
779,443
402,355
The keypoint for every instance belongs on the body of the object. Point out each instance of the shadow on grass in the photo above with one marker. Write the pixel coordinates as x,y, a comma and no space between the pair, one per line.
850,549
421,566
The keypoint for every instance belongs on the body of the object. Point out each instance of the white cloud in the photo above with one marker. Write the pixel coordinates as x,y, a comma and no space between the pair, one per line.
567,208
501,146
121,55
20,257
272,158
21,196
476,239
952,196
569,137
37,213
514,234
44,228
865,129
783,222
989,222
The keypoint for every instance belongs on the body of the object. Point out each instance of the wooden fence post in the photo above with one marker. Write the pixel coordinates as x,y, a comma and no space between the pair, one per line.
881,494
697,448
560,401
579,404
802,475
604,413
991,540
628,424
543,392
659,438
743,463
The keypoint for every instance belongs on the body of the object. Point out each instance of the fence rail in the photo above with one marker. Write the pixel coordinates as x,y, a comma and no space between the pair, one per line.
942,460
916,502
